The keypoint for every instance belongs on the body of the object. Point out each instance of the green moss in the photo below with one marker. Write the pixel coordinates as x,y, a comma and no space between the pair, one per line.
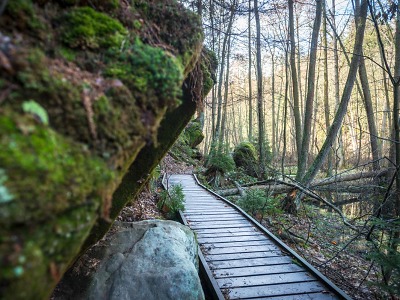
67,54
245,156
46,173
194,134
54,93
118,121
153,76
171,17
83,27
209,65
23,11
36,256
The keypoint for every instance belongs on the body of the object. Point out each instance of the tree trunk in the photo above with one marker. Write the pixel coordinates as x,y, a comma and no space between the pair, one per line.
295,84
223,133
250,87
362,71
326,87
337,122
308,113
339,140
221,73
261,130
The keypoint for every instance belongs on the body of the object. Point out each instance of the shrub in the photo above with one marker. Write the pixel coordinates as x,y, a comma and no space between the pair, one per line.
221,162
256,202
172,201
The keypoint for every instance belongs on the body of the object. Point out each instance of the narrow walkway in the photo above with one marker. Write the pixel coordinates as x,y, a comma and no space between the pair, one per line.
247,261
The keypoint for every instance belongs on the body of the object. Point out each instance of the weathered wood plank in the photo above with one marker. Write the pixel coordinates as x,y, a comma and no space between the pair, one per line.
225,230
220,222
219,226
259,270
250,262
232,238
264,279
309,296
276,290
237,244
233,256
210,250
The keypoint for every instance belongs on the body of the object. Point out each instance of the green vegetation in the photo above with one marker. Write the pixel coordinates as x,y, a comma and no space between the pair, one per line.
37,110
153,76
43,163
175,19
172,201
209,65
193,133
257,203
83,27
245,156
23,12
221,162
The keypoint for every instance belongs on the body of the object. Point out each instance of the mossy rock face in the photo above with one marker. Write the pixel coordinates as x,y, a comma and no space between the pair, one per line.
172,22
209,66
86,28
150,73
245,156
194,134
88,108
23,15
55,188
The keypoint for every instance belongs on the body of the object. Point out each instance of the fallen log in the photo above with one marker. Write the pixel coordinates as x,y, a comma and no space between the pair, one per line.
277,186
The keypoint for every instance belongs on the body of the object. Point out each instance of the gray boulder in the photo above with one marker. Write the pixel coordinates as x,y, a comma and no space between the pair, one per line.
148,260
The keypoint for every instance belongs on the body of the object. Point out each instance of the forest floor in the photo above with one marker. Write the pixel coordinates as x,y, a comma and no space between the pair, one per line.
331,247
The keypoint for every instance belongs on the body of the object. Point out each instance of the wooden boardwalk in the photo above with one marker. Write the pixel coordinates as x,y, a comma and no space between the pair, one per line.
246,261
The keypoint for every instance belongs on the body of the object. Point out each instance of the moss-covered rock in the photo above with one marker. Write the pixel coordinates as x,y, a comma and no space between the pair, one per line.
194,134
153,76
85,116
56,189
22,14
245,156
86,28
169,19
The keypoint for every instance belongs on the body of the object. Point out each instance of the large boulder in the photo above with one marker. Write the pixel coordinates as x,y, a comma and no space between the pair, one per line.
93,94
147,260
245,156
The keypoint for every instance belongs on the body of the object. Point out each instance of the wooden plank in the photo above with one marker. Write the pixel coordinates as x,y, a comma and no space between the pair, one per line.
221,234
211,213
259,270
250,262
309,296
228,239
225,222
276,290
237,244
264,279
212,218
216,231
233,256
232,250
220,226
